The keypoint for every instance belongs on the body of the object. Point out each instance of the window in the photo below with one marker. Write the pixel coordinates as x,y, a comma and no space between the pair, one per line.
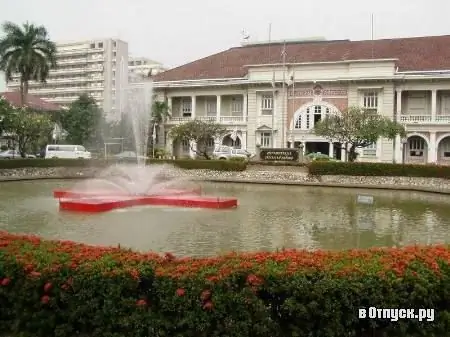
114,54
237,105
211,106
186,107
370,101
310,117
114,44
100,44
92,45
266,104
416,146
185,146
370,150
266,138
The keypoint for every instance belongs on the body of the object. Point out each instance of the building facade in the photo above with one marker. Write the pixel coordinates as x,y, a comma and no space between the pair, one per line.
144,68
93,67
272,94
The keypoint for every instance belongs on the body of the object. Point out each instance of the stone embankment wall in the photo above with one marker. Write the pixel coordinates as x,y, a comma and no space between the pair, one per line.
255,174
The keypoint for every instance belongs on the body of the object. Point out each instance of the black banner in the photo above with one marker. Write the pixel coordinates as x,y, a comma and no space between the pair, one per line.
279,154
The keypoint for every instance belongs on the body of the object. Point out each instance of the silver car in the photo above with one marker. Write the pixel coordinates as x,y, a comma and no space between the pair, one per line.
226,152
13,154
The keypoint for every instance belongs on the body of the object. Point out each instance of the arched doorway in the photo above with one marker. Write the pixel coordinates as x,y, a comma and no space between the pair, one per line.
416,151
305,119
228,141
181,149
443,151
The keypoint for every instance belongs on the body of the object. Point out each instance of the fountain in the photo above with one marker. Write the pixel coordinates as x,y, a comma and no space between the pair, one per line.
125,185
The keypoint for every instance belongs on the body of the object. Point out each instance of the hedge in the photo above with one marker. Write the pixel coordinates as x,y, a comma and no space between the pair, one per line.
218,165
378,169
66,289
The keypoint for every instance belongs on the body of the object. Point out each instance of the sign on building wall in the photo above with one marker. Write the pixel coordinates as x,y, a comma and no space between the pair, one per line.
317,90
279,154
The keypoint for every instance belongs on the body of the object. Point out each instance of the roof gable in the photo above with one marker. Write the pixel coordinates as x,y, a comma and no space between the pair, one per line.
416,53
34,102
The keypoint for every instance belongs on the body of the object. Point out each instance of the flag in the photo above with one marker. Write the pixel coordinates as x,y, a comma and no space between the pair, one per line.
154,132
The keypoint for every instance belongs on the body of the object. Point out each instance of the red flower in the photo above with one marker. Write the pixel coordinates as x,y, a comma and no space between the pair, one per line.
47,287
5,282
208,306
254,280
205,295
141,303
35,274
169,256
180,292
45,299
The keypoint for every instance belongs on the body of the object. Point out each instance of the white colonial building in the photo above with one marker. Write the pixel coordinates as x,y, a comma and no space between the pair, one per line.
273,94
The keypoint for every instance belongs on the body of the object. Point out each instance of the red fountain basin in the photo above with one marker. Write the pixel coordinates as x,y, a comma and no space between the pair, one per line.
95,205
58,194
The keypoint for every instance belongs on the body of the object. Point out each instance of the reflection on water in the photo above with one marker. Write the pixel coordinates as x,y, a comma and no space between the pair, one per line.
268,218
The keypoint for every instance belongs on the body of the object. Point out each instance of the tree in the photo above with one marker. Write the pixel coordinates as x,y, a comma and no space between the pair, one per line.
83,121
160,111
199,132
27,127
28,51
358,128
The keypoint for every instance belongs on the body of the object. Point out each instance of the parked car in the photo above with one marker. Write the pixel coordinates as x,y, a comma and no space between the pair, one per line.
66,152
227,152
14,154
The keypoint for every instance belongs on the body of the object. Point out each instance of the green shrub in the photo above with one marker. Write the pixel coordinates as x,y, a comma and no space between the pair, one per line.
276,163
65,289
216,165
378,169
188,164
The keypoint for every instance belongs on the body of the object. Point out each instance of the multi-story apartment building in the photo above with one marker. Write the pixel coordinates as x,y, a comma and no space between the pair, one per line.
144,67
94,67
272,94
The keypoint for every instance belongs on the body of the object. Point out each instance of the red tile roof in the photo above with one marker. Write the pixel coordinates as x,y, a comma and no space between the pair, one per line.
34,102
415,53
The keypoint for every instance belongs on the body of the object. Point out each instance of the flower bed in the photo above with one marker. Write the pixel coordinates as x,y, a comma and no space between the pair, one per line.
66,289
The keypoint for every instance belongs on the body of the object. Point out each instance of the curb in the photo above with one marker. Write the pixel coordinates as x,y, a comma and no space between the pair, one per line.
260,182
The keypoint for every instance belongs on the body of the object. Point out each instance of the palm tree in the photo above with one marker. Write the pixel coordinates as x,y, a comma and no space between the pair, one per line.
160,111
28,51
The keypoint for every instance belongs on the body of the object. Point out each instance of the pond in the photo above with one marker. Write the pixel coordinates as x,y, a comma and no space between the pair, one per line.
268,218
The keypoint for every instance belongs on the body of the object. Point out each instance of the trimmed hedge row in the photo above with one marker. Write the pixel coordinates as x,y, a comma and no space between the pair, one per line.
66,289
378,169
188,164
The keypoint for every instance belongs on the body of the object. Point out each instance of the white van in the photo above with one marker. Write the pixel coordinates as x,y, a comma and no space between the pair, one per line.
66,152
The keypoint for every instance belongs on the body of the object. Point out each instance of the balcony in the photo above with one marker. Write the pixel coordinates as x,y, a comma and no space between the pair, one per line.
425,119
223,109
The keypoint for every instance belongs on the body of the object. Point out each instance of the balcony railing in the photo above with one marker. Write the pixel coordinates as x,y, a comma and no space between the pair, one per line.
221,119
425,119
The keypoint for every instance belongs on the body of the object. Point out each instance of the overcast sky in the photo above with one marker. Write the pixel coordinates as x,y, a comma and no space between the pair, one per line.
175,32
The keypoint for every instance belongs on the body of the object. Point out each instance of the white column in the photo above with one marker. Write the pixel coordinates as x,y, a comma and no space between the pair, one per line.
331,150
218,106
398,156
343,152
433,104
169,103
244,140
432,151
193,106
244,108
192,146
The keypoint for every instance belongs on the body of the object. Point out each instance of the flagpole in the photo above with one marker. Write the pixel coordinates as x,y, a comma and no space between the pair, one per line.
273,87
283,111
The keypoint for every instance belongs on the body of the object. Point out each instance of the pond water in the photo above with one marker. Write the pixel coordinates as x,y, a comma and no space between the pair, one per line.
268,218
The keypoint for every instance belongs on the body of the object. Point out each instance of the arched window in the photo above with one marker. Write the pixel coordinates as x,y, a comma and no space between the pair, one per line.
312,115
